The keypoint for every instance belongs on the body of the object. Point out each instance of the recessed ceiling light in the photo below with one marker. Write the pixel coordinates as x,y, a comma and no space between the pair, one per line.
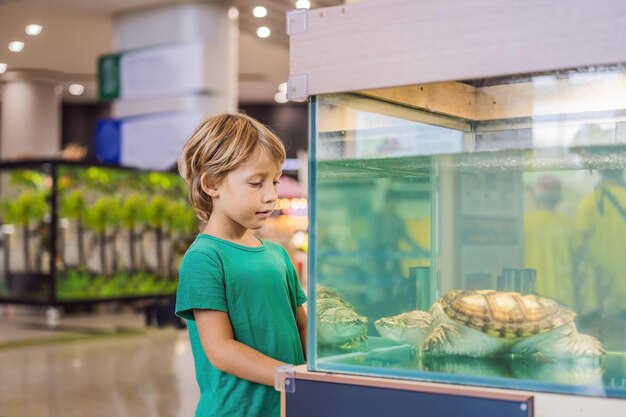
16,46
76,89
259,11
3,67
33,30
303,4
263,32
233,13
280,97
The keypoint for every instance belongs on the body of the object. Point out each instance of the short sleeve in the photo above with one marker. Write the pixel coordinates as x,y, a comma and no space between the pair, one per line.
294,285
200,285
300,295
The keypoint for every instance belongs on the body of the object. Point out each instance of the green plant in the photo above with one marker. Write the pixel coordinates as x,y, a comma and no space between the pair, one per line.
30,206
104,213
29,178
183,226
132,216
79,284
95,177
158,181
157,214
74,207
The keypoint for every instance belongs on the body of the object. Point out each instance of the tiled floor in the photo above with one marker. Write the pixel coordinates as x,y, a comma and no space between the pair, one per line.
92,365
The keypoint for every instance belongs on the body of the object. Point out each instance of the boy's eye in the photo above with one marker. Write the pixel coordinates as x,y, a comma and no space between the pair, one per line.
276,182
255,184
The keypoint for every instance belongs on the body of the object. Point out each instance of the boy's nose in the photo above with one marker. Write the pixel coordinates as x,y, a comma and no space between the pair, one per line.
271,195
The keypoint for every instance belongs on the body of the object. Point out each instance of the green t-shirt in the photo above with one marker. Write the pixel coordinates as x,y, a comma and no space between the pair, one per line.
259,289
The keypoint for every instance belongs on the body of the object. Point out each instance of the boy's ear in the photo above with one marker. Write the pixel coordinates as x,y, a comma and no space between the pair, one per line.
211,190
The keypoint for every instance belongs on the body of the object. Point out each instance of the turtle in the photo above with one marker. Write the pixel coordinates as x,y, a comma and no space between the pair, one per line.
408,328
338,324
578,372
485,323
323,292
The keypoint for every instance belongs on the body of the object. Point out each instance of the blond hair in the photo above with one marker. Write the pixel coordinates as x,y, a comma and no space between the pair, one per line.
219,145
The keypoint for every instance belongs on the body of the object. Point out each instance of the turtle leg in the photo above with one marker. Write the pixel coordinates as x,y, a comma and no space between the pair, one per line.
351,344
442,338
581,345
441,334
563,342
454,338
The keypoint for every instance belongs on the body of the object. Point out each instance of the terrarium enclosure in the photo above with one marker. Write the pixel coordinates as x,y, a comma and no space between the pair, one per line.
473,232
78,233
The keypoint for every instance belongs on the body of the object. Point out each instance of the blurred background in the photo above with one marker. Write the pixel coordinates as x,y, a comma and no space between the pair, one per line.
96,101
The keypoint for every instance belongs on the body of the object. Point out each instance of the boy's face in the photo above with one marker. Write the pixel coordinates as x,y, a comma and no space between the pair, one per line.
246,197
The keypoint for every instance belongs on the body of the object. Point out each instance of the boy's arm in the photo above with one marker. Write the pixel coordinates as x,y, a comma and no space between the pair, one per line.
229,355
301,321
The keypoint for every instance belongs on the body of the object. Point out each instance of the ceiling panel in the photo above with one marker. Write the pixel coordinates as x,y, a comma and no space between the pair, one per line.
76,32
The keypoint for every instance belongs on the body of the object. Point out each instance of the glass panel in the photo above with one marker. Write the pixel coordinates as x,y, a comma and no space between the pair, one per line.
473,232
120,232
25,213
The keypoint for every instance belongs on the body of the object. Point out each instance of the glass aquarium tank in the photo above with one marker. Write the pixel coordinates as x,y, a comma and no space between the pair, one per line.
473,232
73,232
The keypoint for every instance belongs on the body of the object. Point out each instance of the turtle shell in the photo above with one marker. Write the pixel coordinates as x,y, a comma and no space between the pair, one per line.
505,314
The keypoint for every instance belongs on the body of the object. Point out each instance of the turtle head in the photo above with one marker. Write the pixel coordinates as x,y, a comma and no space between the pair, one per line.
406,328
340,324
349,324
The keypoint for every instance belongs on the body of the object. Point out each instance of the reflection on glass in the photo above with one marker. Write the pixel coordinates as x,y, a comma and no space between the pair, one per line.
114,232
477,230
25,217
121,232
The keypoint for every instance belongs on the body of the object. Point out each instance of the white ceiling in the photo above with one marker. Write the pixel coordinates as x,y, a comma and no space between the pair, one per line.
77,32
